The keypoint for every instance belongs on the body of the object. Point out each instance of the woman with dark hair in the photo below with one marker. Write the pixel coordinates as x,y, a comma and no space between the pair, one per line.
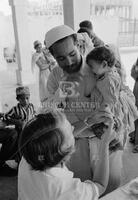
46,145
87,27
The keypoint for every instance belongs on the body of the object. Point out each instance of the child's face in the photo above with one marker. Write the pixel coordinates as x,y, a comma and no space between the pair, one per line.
98,68
67,130
24,100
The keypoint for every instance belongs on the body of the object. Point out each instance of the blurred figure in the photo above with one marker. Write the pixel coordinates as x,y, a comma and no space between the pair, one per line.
86,26
40,60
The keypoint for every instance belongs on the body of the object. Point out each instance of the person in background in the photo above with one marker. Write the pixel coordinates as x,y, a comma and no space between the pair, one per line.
46,145
39,60
17,116
21,113
87,27
48,56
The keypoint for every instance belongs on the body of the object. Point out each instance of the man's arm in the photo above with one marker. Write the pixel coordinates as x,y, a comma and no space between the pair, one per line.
53,81
101,173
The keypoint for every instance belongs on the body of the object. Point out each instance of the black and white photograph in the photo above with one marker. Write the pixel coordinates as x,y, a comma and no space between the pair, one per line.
69,99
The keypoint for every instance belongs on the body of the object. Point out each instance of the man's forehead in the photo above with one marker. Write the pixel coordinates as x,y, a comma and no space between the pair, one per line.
64,47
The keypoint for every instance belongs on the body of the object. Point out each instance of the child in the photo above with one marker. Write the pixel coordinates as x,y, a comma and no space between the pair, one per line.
46,144
114,95
22,112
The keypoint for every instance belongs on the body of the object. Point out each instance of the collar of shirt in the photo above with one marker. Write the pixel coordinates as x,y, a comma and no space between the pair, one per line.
25,108
59,172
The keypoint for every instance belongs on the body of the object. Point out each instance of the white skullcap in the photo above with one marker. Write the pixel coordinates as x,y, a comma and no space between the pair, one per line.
57,33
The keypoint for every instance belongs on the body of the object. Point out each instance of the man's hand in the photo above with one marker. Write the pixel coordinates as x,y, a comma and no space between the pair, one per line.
109,131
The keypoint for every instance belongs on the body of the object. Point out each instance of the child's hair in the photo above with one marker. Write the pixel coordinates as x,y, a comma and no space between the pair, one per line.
21,91
41,141
101,54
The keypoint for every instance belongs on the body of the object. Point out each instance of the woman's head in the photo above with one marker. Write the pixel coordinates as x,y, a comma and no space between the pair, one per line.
100,59
47,140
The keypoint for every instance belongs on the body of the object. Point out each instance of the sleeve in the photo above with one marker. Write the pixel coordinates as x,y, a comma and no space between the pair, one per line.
10,115
109,88
134,73
33,110
32,64
86,190
97,41
35,57
52,84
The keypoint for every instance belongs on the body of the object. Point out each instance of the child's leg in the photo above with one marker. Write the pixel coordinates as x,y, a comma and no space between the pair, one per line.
8,138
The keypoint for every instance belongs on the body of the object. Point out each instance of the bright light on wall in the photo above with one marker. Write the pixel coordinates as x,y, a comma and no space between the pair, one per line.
5,7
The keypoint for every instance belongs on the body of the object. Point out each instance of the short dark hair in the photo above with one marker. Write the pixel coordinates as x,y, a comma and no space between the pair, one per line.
74,36
86,24
41,140
101,54
84,30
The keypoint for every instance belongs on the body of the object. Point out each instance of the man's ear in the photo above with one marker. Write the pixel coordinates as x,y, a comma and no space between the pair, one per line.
105,64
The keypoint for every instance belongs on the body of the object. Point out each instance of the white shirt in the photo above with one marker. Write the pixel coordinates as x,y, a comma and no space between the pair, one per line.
53,184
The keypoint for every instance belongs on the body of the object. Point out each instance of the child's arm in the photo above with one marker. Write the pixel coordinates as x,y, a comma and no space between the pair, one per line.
109,88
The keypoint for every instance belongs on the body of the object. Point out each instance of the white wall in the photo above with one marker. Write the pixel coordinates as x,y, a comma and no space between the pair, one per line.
135,9
6,31
38,26
106,28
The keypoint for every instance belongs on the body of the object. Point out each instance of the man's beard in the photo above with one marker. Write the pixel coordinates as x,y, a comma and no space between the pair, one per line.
74,68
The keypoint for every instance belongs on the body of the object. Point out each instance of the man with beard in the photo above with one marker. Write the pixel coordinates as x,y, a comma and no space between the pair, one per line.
71,83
